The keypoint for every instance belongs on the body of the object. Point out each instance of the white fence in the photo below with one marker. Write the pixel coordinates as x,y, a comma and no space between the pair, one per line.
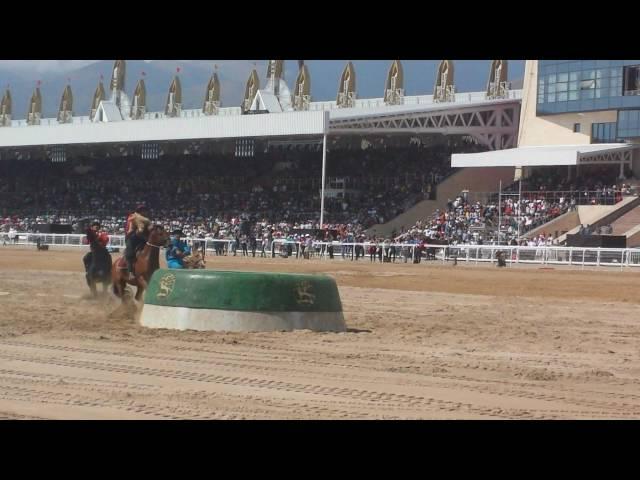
63,240
474,254
406,252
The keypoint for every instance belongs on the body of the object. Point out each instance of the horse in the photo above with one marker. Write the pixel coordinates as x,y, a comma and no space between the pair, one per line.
40,246
194,261
98,269
147,262
431,251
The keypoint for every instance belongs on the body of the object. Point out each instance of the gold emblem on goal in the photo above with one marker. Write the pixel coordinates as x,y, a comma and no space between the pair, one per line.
305,294
167,282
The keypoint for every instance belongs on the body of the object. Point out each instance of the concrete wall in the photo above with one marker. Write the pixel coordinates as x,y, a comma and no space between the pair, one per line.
627,222
553,129
633,238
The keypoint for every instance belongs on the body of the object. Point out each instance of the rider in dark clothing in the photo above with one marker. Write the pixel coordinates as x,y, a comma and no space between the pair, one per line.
96,240
98,257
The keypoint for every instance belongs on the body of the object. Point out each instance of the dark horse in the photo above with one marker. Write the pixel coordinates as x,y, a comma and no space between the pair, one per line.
431,251
147,262
97,265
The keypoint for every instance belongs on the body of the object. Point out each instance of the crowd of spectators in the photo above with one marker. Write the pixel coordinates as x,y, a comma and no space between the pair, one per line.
468,222
277,192
206,194
473,222
596,184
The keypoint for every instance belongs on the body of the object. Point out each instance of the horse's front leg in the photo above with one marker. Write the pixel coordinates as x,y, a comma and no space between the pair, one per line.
119,288
142,286
91,283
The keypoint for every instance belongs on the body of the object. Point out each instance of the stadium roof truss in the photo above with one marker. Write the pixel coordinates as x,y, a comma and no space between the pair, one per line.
622,155
494,124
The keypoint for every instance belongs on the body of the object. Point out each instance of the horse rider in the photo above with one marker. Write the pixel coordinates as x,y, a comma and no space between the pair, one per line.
177,250
135,234
97,240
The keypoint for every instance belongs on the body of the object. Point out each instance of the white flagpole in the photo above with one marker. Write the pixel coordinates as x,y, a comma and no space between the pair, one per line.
324,168
519,207
499,211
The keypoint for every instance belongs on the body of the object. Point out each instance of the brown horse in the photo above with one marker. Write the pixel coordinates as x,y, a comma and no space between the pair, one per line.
194,261
147,262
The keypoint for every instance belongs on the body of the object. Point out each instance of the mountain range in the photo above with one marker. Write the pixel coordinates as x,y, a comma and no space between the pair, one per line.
419,78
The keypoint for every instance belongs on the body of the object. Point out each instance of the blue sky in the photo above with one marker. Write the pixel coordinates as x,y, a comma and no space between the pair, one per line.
44,66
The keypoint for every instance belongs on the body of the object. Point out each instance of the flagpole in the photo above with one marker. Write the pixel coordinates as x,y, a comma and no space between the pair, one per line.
324,168
499,211
519,206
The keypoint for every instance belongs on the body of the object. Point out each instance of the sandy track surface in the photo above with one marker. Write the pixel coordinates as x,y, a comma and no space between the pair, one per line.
425,341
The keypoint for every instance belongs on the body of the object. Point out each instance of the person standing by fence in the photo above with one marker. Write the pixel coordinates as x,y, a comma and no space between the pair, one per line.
309,246
303,246
243,244
253,244
360,248
372,251
387,248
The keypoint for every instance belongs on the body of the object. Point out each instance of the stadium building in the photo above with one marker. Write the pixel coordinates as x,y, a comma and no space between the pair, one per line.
579,118
570,104
340,150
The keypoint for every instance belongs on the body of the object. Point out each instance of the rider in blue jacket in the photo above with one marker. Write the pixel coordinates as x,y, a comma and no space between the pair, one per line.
177,250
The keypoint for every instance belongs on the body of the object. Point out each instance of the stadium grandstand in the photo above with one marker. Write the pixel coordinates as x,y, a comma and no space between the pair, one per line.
498,166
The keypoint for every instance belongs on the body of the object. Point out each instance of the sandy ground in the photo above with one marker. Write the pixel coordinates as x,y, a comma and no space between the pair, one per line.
425,341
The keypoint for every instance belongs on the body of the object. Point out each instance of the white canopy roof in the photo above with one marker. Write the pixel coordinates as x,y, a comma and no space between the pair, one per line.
538,156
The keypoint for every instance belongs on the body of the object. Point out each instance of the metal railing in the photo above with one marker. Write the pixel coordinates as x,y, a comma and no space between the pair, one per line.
460,98
475,254
53,239
581,197
401,252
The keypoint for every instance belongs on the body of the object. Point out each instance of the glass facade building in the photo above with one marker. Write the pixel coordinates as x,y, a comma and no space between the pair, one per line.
628,123
572,86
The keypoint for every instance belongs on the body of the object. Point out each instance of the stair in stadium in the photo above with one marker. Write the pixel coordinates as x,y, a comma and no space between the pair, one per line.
471,179
627,222
597,216
557,226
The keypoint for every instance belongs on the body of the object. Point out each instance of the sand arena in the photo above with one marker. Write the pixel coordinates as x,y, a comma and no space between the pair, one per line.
425,342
